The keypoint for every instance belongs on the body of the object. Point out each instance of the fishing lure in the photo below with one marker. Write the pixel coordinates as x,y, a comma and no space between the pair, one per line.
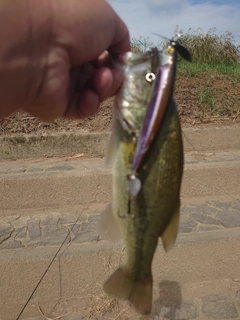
160,98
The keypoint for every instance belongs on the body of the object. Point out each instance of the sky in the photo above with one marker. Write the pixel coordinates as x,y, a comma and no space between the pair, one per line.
144,17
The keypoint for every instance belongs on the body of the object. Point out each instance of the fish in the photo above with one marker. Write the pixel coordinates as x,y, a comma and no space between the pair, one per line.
153,211
160,97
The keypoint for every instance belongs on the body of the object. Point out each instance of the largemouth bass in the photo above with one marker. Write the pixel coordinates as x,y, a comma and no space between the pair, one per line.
154,211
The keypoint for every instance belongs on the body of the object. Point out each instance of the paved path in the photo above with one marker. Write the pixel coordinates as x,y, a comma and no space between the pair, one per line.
78,226
32,232
21,166
212,307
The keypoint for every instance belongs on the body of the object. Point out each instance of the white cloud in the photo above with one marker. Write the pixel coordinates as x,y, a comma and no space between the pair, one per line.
143,17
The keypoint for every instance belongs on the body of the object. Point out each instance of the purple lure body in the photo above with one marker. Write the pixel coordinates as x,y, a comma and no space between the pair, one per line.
161,95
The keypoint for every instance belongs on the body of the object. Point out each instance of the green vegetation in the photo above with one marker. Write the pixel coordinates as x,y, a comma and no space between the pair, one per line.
215,70
212,48
210,52
207,98
194,68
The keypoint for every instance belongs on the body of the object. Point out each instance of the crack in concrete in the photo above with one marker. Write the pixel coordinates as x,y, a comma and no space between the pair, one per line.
8,237
1,242
40,228
19,231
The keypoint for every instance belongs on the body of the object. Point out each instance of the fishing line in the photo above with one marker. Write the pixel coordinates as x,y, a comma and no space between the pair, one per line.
48,267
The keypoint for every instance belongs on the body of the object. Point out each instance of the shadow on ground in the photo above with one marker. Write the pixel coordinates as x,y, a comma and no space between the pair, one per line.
170,298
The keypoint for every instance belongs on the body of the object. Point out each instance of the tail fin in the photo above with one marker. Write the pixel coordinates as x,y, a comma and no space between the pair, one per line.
121,285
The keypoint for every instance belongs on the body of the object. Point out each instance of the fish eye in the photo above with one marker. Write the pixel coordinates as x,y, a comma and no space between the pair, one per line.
150,77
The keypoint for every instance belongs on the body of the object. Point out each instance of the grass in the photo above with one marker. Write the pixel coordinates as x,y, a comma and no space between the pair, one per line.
210,51
196,68
216,89
212,48
214,56
207,99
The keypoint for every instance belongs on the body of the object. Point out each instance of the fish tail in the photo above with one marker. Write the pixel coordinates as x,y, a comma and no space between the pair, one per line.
121,285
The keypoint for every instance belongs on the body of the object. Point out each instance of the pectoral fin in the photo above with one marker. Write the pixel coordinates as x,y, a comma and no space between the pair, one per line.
108,228
170,233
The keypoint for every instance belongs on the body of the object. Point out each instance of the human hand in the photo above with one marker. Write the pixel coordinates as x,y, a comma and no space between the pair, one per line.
56,56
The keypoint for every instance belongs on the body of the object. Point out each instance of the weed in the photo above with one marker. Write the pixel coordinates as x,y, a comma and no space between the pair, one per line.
141,45
195,69
207,99
214,55
211,48
233,79
225,110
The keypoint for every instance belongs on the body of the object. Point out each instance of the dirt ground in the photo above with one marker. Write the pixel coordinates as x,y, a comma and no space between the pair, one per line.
202,100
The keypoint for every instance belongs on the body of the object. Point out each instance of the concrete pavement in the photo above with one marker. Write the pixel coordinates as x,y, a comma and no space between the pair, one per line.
47,200
54,182
26,146
198,279
30,228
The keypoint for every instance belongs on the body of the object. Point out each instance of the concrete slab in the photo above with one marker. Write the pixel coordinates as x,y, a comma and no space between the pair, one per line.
56,182
199,279
207,139
24,146
23,228
201,264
